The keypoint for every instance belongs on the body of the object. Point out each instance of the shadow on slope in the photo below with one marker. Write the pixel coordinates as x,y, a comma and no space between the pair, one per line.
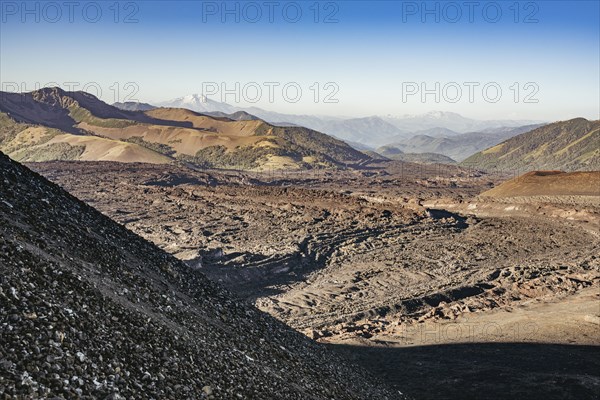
485,370
88,309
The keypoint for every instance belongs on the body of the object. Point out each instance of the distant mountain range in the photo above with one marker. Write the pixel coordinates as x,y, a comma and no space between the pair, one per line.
198,103
449,120
360,130
394,153
236,116
444,137
458,146
373,131
134,106
52,124
565,145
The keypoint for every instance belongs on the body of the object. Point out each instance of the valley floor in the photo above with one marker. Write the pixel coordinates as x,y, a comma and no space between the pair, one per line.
442,303
541,349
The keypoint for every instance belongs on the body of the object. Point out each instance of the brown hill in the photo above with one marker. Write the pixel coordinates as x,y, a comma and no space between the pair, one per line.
566,145
158,135
549,183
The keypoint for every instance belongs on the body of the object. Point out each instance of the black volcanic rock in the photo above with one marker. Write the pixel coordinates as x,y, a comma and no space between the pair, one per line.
90,310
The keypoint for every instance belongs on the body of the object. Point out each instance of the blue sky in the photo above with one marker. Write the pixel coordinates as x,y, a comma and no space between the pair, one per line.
351,58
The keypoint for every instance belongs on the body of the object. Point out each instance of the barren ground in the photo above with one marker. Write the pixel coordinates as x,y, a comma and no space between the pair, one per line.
355,259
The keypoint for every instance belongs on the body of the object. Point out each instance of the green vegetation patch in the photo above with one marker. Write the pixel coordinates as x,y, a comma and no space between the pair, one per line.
566,145
10,129
324,148
51,152
243,157
157,147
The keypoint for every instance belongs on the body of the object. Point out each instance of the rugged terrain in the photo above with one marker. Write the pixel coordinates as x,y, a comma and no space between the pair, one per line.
457,146
565,145
91,310
51,124
372,258
394,153
548,183
571,196
371,131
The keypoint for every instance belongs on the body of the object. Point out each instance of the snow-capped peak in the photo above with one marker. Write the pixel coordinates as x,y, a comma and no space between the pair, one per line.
200,103
194,98
435,114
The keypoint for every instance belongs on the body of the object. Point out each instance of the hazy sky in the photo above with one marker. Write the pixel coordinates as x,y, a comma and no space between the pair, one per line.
488,60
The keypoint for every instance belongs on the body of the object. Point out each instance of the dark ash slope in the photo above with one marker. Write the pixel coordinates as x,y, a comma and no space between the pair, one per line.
90,310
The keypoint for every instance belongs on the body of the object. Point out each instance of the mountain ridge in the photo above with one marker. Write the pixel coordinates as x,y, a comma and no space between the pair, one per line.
564,145
373,131
159,135
460,146
394,153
